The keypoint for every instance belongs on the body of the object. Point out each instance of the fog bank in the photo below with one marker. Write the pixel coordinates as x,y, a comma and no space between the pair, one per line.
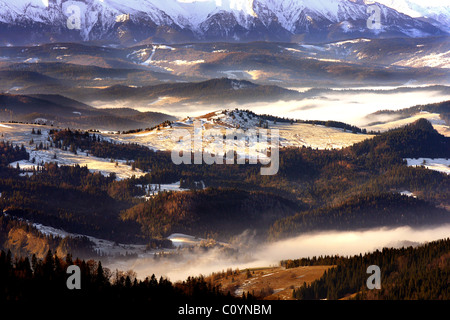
263,255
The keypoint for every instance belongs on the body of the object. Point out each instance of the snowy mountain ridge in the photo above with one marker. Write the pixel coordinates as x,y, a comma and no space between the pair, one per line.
207,19
436,10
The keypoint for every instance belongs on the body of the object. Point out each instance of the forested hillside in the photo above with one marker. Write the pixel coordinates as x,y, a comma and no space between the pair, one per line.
212,212
408,273
362,211
415,140
63,197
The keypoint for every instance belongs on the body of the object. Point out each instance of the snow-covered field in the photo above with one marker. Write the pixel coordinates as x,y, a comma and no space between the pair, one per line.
438,164
408,193
433,60
296,134
182,240
187,63
101,246
152,190
239,74
317,136
21,134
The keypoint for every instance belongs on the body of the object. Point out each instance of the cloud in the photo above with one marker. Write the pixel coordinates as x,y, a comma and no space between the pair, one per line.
251,254
347,106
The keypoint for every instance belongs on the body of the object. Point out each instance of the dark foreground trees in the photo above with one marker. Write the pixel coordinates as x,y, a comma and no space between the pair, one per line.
33,280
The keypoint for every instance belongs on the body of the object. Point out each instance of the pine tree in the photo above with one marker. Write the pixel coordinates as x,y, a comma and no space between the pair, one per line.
100,275
49,264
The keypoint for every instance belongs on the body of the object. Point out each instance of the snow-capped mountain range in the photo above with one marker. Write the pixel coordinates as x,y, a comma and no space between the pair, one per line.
436,12
131,21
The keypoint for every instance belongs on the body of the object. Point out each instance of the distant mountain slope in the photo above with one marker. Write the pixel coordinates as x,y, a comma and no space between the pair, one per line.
64,101
16,80
150,117
46,104
44,69
62,111
407,52
211,91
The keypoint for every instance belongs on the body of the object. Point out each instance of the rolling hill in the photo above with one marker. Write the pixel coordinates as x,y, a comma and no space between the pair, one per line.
61,111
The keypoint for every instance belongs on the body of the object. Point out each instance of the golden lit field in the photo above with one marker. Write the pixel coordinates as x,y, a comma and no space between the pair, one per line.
273,283
317,136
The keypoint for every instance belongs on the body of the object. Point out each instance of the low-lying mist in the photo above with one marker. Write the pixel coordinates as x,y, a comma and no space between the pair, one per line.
253,254
350,106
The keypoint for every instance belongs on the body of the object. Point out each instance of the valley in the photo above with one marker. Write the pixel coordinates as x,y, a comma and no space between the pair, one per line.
44,149
221,152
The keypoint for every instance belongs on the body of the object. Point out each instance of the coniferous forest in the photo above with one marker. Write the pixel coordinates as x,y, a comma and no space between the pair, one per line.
409,273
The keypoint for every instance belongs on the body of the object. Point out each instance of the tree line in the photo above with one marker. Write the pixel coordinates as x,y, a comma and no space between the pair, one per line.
42,280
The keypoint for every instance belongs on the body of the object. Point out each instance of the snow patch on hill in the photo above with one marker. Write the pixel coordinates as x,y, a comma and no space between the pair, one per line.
432,60
438,164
